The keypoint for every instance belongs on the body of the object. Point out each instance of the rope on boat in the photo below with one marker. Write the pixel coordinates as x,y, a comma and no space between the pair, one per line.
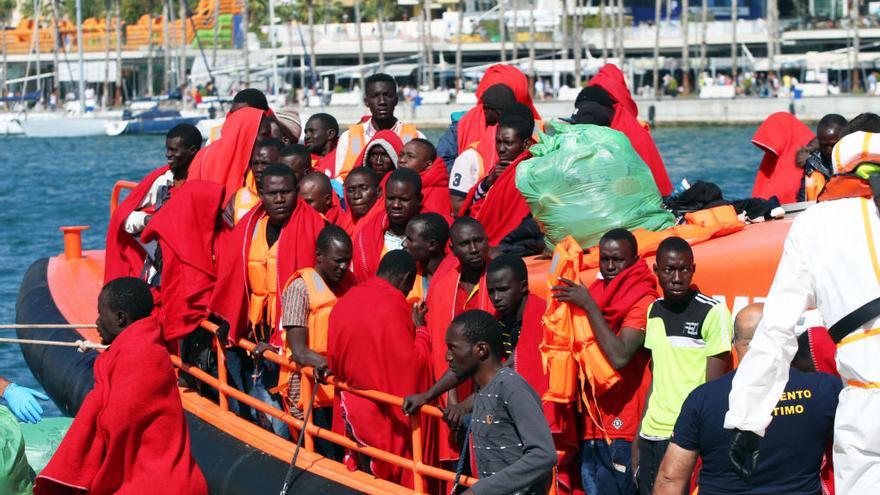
46,326
82,345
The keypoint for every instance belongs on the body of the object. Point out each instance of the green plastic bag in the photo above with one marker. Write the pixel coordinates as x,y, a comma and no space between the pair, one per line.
16,477
41,440
585,180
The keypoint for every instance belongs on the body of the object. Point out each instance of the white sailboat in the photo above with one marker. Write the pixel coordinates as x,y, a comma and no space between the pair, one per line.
76,121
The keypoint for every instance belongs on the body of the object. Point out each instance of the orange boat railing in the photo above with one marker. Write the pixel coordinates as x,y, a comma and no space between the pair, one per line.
416,465
117,190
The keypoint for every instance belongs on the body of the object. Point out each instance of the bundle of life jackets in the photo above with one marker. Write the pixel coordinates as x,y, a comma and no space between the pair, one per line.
585,180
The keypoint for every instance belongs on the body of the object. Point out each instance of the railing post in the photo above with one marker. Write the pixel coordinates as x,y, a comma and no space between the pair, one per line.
221,372
305,390
415,422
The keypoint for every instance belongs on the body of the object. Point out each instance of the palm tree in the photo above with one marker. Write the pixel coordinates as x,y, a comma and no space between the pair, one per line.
577,32
182,82
216,33
532,74
855,19
429,44
502,31
150,8
772,20
108,9
704,20
458,80
685,50
245,49
360,35
166,47
734,51
620,55
380,20
118,12
602,27
7,7
658,5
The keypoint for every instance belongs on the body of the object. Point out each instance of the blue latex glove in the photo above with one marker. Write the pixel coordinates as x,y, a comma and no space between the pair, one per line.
23,403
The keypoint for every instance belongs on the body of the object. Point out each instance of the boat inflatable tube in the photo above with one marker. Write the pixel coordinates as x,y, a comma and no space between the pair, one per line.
230,466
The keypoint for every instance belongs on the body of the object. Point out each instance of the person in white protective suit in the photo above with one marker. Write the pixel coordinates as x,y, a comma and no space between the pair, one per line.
830,262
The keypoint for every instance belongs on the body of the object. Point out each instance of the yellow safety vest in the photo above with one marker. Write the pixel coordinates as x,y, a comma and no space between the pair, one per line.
262,271
357,141
245,198
321,303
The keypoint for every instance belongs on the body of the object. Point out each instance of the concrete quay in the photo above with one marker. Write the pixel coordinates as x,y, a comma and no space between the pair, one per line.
667,111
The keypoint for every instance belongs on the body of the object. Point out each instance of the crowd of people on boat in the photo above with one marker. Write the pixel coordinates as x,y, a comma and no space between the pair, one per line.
396,264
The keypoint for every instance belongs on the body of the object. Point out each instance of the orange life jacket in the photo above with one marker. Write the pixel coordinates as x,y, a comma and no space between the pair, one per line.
419,291
245,198
813,185
321,303
357,139
845,186
262,273
569,350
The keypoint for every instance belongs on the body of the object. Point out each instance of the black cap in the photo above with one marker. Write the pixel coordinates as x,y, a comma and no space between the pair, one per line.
590,112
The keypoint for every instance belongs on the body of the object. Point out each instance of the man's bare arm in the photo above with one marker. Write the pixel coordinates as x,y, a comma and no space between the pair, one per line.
674,476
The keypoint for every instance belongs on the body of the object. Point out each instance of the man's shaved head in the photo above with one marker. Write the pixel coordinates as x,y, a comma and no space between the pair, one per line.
315,189
744,327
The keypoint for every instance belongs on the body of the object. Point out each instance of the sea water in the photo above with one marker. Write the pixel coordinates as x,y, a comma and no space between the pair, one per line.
48,183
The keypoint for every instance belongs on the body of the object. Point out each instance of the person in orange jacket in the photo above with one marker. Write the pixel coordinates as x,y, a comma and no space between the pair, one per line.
616,306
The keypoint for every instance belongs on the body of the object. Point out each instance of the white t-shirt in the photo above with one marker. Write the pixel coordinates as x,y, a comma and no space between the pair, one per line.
392,241
465,172
135,222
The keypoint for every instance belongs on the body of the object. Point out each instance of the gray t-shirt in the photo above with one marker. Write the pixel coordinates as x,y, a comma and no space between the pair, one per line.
512,443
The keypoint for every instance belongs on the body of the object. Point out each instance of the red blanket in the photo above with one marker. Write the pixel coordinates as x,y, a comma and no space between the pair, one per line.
472,126
130,435
380,352
435,188
296,250
503,208
560,417
226,160
780,137
186,230
617,298
626,121
445,303
124,257
327,164
368,243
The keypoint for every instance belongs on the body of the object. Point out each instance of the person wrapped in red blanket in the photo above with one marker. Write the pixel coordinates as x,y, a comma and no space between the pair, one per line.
315,189
186,228
321,136
625,119
458,285
362,194
226,160
130,432
389,353
495,201
476,125
520,313
124,255
381,234
273,241
421,155
616,307
780,137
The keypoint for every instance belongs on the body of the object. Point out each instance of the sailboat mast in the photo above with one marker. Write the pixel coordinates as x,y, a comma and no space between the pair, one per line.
79,53
273,45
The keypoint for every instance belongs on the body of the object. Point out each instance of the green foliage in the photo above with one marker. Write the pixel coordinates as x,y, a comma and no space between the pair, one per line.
390,9
6,9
